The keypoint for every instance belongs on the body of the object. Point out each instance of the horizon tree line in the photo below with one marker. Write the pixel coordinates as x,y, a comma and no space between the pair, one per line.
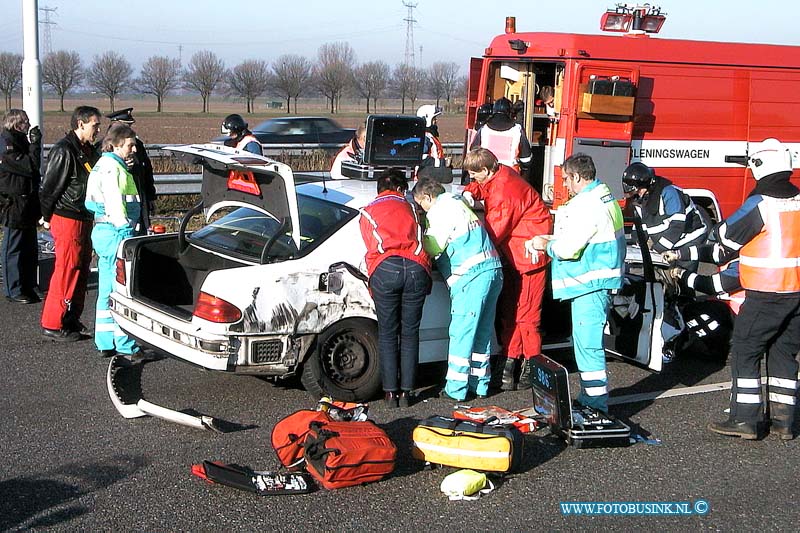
335,74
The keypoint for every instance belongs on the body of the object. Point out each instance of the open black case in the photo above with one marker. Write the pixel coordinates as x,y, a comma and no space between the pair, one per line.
580,426
392,141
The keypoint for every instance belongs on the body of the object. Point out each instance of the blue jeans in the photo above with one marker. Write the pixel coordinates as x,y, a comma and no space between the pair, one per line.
399,287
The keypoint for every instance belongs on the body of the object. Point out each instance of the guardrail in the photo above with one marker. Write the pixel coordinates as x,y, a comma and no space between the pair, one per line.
190,183
270,150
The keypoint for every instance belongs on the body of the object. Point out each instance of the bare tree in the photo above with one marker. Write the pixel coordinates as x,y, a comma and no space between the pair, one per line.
291,76
159,76
443,80
109,74
249,79
406,80
371,79
10,74
204,73
334,71
62,71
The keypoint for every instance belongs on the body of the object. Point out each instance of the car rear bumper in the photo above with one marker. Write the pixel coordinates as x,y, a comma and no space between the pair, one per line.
265,355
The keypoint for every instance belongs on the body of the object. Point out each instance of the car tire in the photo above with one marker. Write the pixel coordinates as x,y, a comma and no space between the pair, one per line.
345,365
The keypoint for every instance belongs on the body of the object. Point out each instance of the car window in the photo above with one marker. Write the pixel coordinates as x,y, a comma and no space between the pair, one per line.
325,126
245,232
299,127
274,126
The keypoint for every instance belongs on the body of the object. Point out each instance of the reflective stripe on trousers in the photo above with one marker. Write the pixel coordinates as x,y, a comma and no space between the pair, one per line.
473,304
588,321
107,335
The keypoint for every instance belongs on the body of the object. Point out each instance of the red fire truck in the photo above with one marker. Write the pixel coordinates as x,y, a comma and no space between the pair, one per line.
690,109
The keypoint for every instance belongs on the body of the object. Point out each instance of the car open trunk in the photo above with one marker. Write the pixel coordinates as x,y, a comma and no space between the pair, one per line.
167,278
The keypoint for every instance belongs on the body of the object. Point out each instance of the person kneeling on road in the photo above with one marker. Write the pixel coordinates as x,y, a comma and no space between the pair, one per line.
471,267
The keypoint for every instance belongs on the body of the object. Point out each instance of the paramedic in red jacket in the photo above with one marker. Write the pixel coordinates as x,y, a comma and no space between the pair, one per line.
514,213
399,279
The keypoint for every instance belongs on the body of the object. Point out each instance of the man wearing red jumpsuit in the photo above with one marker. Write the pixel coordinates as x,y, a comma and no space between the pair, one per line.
514,213
62,195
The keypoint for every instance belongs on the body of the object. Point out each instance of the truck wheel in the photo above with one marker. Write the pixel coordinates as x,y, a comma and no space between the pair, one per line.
345,363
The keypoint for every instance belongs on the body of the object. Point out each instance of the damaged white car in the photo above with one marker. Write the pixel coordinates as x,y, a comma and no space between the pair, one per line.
270,285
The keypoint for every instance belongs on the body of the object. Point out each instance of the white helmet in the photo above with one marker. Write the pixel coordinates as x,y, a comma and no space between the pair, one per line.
429,112
769,157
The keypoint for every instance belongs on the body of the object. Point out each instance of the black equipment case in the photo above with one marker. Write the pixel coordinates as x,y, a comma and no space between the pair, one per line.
579,425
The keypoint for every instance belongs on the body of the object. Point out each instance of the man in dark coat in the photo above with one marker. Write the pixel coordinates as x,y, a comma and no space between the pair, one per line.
142,170
19,205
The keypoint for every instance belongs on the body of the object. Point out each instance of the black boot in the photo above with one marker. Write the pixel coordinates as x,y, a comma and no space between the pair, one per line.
524,382
497,362
732,428
509,371
781,418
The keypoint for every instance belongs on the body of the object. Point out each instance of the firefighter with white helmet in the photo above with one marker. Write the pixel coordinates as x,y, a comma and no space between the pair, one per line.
240,137
432,146
765,232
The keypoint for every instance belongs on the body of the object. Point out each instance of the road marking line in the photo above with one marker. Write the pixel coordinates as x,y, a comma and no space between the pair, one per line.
671,393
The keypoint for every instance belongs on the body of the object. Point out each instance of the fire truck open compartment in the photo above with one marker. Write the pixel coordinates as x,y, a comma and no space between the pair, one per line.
522,81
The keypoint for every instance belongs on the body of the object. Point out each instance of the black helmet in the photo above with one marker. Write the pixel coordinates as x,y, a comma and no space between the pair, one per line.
637,176
502,106
483,113
233,124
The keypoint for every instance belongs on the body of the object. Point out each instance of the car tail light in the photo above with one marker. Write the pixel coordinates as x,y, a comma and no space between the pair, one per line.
120,271
216,309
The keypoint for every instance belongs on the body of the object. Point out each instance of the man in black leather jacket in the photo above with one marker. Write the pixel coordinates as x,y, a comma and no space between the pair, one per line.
62,197
19,205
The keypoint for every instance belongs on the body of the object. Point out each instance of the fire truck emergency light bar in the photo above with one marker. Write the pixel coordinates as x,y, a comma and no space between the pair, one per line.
635,19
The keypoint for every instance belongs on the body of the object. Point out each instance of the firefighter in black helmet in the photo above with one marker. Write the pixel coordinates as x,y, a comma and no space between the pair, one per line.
506,139
668,215
671,221
483,114
240,137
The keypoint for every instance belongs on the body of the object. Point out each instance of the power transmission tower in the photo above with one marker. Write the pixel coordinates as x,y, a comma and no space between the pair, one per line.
409,20
47,40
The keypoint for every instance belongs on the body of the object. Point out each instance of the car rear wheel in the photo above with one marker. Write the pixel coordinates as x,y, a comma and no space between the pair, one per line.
345,363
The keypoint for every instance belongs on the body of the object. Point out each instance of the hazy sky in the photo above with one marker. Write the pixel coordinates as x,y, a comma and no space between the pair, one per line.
446,30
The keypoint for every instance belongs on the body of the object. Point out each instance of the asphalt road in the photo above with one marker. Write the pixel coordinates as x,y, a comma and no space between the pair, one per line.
71,462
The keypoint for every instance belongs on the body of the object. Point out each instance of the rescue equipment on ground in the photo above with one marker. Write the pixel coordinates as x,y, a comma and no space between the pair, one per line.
247,479
466,485
579,425
290,433
343,454
494,415
468,444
